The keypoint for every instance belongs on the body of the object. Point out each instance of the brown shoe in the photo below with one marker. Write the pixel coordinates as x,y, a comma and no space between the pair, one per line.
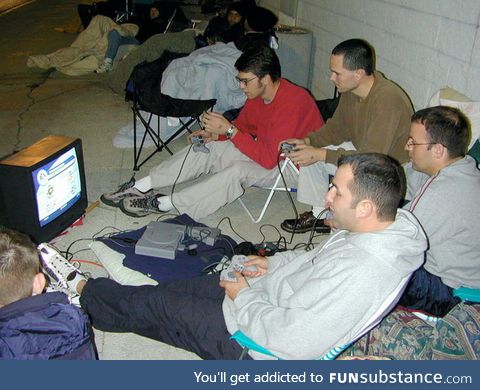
305,223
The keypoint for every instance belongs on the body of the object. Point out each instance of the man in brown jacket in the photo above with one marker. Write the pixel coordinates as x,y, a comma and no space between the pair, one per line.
373,114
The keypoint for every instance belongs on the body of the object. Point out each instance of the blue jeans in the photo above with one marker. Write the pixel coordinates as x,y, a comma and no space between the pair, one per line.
115,40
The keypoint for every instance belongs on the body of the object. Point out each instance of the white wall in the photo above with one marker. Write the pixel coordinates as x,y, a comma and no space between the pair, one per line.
422,45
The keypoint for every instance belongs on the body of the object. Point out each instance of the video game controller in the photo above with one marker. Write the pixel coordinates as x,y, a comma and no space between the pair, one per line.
286,147
199,144
236,265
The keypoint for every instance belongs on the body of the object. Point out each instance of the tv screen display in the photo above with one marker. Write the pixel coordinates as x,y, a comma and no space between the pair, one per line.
42,187
57,186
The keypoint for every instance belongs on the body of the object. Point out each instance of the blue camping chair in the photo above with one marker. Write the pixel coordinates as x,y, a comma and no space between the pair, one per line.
390,302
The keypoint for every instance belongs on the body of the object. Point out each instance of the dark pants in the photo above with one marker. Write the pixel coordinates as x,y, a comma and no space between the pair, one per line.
428,293
186,314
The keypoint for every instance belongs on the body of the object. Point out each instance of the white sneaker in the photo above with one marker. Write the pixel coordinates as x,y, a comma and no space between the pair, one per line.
105,67
59,269
73,298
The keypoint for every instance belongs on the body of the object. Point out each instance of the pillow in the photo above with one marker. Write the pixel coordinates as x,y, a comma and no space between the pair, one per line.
452,98
113,263
457,335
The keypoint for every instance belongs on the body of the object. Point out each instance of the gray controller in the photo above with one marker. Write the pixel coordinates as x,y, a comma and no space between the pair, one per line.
236,264
199,144
286,147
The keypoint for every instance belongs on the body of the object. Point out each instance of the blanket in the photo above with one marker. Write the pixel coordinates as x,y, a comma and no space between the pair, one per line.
207,73
156,269
150,50
86,53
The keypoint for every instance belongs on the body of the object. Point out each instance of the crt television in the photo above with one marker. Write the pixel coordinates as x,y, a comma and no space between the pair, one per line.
42,187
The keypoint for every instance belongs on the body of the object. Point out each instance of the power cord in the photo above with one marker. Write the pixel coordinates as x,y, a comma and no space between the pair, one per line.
231,227
178,177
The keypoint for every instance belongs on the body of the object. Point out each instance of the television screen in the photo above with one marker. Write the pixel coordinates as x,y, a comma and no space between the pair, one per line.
57,186
42,187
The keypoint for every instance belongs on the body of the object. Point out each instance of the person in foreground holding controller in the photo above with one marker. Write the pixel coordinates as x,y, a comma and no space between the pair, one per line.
33,324
240,154
444,188
296,304
373,114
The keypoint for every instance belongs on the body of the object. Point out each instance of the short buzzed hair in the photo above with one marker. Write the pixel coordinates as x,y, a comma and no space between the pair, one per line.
19,263
357,54
378,178
447,126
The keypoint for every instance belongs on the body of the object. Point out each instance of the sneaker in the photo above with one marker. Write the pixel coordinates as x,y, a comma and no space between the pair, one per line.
60,270
126,190
106,66
140,207
305,223
73,297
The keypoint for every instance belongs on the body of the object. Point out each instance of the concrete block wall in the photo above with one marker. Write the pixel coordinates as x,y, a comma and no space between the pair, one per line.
422,45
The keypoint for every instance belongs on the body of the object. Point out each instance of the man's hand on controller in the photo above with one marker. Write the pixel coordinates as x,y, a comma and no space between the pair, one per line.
215,123
207,136
305,155
260,262
233,288
294,141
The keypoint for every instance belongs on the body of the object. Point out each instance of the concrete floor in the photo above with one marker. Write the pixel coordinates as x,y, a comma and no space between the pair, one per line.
37,103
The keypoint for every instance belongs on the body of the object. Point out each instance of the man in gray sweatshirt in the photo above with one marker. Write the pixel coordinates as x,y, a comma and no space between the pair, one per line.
444,188
296,304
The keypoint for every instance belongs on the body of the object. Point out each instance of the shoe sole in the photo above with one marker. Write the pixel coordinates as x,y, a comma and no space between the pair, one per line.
320,230
135,215
111,203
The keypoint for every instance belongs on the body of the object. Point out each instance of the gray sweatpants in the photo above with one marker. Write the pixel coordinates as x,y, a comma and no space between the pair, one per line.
227,173
313,180
313,183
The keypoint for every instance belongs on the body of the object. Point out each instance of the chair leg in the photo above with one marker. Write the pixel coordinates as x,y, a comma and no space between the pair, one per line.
154,135
274,188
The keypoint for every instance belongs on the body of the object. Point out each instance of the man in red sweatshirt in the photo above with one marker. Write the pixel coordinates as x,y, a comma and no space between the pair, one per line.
240,154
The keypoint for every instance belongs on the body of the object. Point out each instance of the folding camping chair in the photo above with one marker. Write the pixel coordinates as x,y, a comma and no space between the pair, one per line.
248,344
143,89
124,15
169,107
276,187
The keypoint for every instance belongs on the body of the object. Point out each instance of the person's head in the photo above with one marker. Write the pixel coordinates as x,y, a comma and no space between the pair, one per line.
260,19
20,275
351,62
366,190
438,136
155,10
215,30
236,14
258,68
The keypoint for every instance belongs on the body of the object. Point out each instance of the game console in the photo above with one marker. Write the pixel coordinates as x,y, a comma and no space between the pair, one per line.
199,144
160,239
163,239
236,265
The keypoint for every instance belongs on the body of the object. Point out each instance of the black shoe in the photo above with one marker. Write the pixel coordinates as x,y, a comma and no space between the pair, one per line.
305,223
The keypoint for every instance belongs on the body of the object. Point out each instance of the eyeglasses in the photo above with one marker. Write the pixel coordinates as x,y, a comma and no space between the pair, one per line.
244,82
411,143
